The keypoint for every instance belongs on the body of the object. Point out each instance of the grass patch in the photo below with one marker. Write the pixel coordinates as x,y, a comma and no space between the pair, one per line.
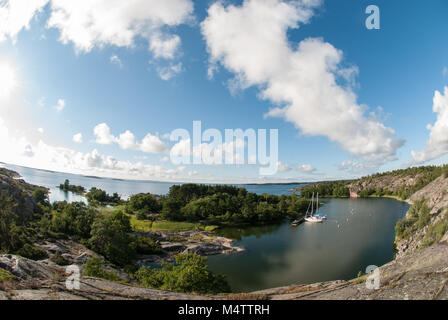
360,280
159,225
164,225
5,276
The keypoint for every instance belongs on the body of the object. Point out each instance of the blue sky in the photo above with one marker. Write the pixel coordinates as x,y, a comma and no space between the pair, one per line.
125,86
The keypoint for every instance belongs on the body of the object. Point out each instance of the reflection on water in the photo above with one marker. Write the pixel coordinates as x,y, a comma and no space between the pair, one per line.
57,194
358,233
257,231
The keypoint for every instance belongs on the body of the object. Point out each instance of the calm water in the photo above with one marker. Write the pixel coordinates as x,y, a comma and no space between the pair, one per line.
125,188
358,233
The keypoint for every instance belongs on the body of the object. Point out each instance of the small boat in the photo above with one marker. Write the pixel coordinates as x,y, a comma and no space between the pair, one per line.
313,216
297,222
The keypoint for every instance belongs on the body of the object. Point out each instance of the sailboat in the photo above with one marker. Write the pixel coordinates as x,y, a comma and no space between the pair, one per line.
317,214
313,216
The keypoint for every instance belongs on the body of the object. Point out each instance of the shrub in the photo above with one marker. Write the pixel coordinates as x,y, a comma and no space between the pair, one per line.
41,196
32,252
147,245
418,217
100,196
189,274
436,232
141,216
60,260
74,219
5,276
94,268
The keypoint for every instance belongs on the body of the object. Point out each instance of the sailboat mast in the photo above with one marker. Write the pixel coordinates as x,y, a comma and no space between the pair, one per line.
312,205
317,203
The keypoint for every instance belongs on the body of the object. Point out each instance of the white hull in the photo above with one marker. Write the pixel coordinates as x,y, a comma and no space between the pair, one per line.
314,220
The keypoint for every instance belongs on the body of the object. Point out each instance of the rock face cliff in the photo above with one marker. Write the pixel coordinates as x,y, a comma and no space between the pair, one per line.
12,186
390,183
433,200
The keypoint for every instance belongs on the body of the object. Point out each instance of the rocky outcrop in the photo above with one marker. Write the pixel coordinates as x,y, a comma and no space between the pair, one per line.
39,281
391,183
75,254
200,242
26,269
212,248
435,196
19,190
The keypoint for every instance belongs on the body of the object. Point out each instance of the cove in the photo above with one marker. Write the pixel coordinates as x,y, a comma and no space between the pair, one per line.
358,233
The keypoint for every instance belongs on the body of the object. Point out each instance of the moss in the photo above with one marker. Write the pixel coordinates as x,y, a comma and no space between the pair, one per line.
5,276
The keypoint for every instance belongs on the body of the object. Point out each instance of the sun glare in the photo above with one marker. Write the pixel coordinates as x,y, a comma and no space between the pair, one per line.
8,79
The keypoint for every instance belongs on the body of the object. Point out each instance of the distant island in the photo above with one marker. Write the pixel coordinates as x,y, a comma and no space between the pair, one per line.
66,186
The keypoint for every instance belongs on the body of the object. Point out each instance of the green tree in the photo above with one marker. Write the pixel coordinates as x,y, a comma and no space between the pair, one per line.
143,203
74,219
110,236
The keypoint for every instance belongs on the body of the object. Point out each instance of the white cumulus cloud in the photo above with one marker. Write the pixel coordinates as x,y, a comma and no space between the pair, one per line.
283,167
98,23
164,46
127,141
437,145
77,138
303,79
114,59
60,105
152,144
307,168
22,151
16,15
168,72
103,135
